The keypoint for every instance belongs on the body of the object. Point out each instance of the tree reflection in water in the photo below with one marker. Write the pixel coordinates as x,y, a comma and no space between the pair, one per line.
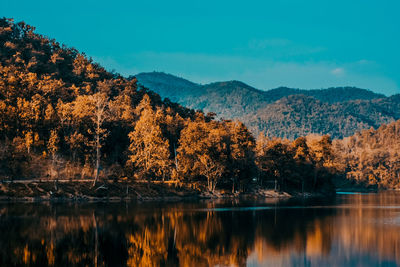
197,234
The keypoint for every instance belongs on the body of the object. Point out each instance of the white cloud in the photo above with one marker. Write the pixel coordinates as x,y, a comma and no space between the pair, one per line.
338,71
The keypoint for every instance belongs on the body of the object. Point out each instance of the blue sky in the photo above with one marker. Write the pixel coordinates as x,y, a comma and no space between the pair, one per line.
301,44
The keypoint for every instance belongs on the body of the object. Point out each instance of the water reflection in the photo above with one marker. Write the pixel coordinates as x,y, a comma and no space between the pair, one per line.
349,230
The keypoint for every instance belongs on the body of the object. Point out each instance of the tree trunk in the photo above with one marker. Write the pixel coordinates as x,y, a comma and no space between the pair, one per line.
97,159
52,166
214,184
176,159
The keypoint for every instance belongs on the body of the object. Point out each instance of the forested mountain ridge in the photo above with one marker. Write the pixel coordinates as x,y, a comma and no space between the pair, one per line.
224,98
173,86
282,112
299,115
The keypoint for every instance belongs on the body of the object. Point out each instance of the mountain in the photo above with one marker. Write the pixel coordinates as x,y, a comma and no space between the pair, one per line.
169,86
227,99
283,112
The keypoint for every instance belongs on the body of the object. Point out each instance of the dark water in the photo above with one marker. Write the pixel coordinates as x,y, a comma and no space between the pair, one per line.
349,230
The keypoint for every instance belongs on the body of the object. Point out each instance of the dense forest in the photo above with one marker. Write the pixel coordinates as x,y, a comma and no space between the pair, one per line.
302,115
62,116
371,157
281,112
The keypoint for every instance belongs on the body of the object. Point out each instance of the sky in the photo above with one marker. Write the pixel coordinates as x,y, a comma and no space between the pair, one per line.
266,44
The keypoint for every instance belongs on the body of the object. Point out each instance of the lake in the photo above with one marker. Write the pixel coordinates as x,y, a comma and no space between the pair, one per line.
346,230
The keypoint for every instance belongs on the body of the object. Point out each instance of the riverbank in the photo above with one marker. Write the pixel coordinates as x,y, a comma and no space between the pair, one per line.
63,191
85,191
346,185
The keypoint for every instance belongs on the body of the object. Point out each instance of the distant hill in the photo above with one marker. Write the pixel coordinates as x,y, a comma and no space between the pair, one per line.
283,112
169,86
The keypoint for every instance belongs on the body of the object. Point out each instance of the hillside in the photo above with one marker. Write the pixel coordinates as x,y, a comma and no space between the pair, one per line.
299,115
60,111
283,112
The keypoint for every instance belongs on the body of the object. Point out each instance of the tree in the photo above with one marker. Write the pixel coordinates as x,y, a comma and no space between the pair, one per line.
304,161
212,169
204,151
94,108
275,160
241,146
52,147
100,115
302,151
149,150
321,149
29,139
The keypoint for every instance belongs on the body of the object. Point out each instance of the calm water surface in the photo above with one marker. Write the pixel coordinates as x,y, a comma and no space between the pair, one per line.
349,230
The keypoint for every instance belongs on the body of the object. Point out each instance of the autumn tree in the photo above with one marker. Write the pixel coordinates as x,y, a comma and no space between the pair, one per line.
242,157
321,148
149,150
203,151
171,124
304,161
275,159
95,109
53,147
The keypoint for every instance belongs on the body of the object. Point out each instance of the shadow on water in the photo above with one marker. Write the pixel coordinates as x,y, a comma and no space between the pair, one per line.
238,233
